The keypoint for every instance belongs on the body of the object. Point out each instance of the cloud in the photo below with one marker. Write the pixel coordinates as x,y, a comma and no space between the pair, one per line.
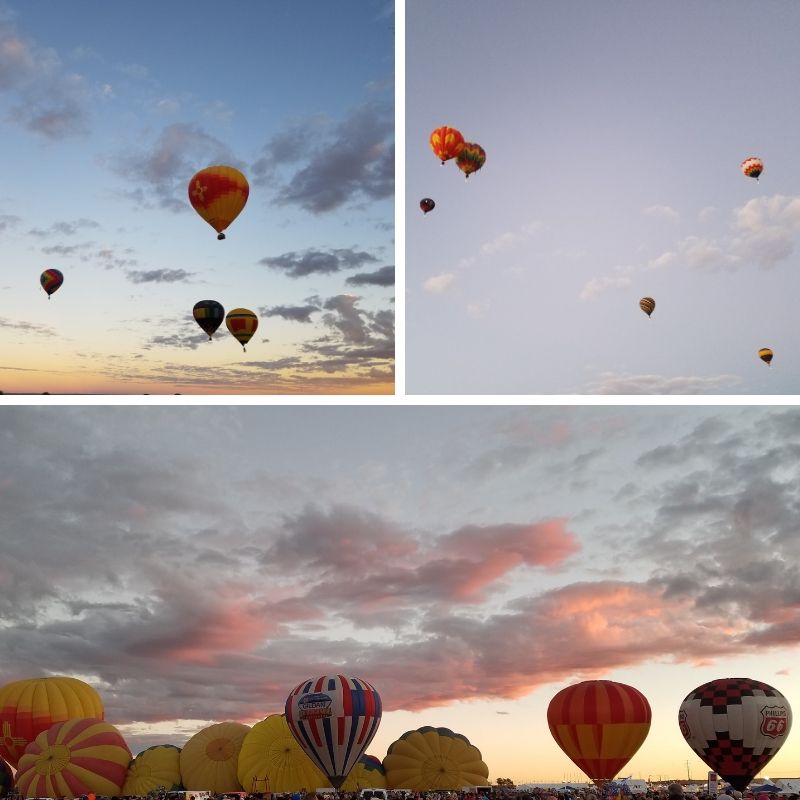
309,262
64,228
159,276
438,283
294,313
382,277
352,160
612,383
8,221
662,212
162,168
596,286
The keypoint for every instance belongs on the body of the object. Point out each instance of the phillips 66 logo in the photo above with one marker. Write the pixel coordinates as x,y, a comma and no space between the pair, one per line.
774,720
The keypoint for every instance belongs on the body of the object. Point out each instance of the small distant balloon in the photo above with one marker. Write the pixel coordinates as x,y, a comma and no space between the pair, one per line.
471,158
446,143
51,279
426,204
765,354
648,305
752,167
209,315
242,323
218,194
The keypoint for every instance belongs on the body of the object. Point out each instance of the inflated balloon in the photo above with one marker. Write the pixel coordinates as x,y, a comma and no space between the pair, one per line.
446,143
600,725
368,773
735,725
334,718
154,767
6,778
242,323
209,315
430,759
210,758
73,758
51,279
648,305
270,751
471,158
765,354
218,194
426,204
29,707
752,167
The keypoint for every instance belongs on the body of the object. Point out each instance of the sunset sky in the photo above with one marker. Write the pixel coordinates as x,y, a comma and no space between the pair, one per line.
614,134
108,109
194,564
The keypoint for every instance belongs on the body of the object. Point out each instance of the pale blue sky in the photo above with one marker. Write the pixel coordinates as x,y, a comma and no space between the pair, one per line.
614,134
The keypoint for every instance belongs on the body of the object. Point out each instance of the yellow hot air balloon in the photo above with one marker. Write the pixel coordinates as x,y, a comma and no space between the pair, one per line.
72,758
30,706
368,773
765,354
154,767
210,758
270,752
428,759
218,194
648,305
242,324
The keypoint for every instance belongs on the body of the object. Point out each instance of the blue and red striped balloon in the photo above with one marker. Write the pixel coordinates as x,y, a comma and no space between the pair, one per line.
334,718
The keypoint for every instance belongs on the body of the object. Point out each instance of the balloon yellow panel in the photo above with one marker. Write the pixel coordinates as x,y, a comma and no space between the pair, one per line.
271,752
368,773
210,758
434,758
29,707
154,767
72,758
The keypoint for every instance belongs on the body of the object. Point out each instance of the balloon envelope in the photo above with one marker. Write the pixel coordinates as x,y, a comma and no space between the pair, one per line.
209,315
648,305
218,194
735,725
752,167
429,759
368,773
51,279
600,725
446,142
471,158
334,718
6,778
154,767
242,324
72,758
270,752
765,354
210,758
29,707
426,204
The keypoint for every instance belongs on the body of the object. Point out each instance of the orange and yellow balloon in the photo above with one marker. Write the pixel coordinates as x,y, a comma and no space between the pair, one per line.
765,354
29,707
218,194
154,767
242,324
446,143
73,758
600,725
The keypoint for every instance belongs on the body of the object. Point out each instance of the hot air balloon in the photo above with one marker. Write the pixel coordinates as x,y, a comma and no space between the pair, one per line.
430,759
269,751
29,707
735,725
6,778
446,142
51,279
600,725
426,204
209,315
471,158
333,718
368,773
218,194
73,758
154,767
752,167
765,354
242,323
648,305
210,758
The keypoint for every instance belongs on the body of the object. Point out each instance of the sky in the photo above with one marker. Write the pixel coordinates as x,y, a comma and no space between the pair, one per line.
614,135
108,109
195,564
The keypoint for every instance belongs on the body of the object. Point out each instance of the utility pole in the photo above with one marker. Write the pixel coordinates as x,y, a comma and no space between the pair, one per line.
687,770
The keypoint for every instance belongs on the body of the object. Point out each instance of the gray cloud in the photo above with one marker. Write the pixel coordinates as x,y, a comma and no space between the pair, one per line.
159,276
294,313
64,228
309,262
382,277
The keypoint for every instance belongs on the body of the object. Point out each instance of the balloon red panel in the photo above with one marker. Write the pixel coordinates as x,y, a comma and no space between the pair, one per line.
600,725
446,142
